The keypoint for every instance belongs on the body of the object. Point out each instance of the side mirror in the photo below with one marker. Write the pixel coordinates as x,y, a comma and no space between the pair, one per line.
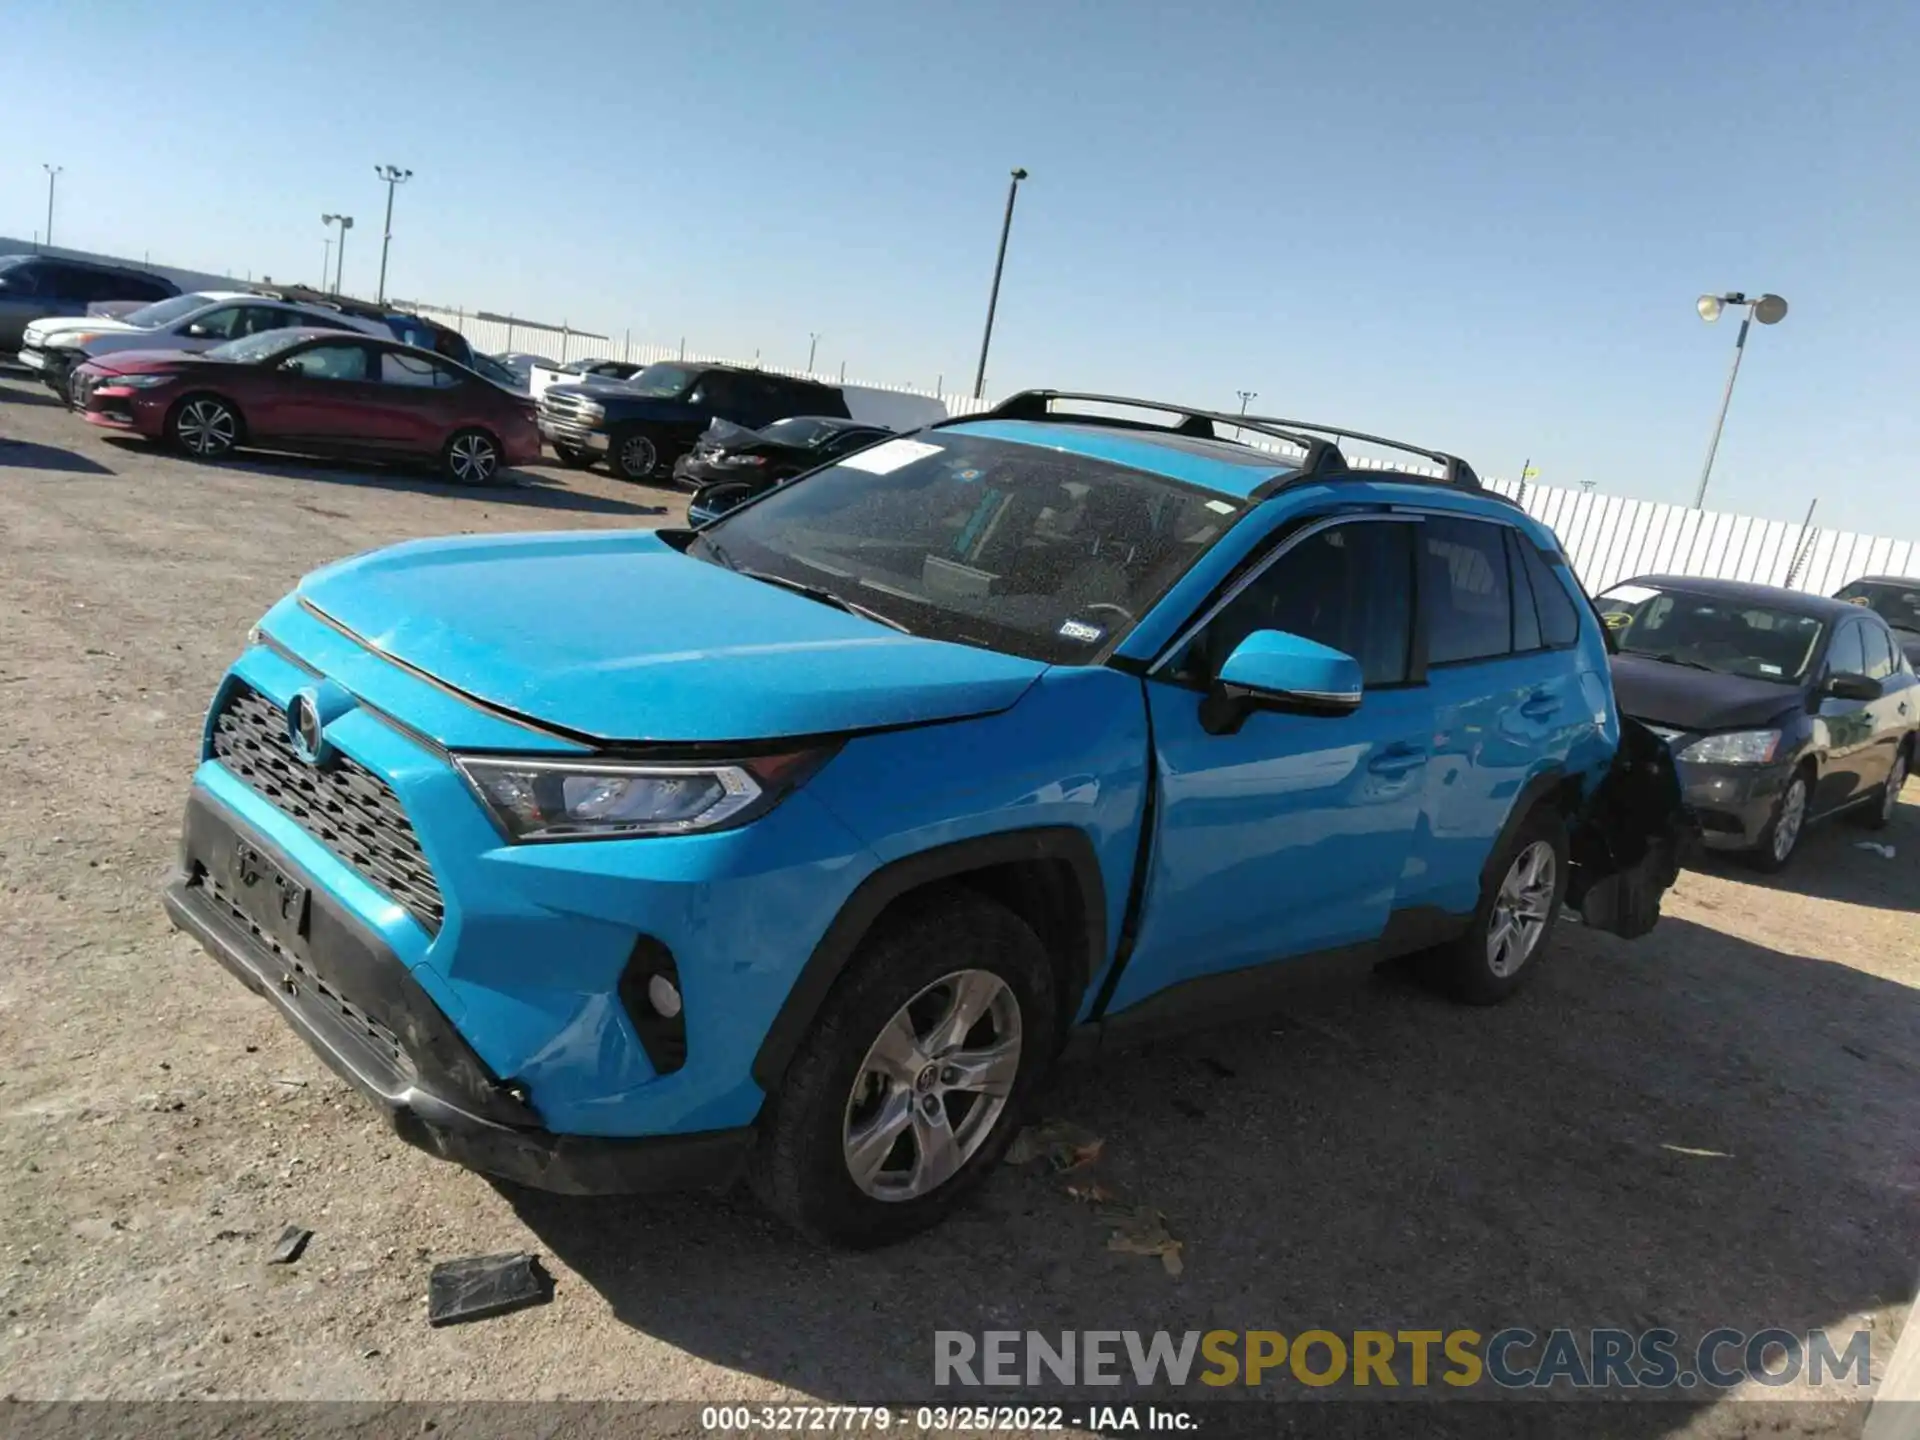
1273,670
1845,686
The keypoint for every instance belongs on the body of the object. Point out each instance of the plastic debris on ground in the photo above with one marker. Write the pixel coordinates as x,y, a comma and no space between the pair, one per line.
485,1285
1064,1145
1698,1154
1142,1230
287,1248
1885,852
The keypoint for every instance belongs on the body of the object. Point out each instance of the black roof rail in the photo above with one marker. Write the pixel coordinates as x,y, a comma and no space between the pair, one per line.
1323,460
1457,471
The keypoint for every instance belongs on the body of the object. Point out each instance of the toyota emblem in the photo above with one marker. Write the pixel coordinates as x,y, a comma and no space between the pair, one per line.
304,731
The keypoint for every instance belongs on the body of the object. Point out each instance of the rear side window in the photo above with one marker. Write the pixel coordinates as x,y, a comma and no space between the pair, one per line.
330,362
1526,614
1468,601
141,287
1559,621
397,368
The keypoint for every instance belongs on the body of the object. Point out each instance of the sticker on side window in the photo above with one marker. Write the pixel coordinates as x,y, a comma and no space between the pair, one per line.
886,458
1080,630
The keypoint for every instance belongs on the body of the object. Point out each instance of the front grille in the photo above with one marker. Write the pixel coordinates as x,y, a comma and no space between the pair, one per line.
301,975
567,409
343,805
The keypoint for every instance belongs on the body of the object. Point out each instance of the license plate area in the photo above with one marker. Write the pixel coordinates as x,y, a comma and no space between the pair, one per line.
270,898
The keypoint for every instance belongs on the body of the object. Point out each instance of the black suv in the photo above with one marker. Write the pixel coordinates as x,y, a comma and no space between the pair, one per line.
642,426
33,287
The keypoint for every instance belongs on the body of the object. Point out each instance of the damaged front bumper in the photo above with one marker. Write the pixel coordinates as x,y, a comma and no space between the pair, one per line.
1631,839
349,997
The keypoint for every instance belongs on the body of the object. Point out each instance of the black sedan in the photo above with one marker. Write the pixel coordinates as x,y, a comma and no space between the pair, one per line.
1781,708
1896,600
731,463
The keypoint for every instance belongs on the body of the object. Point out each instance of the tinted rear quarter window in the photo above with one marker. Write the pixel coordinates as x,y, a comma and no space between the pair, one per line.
1468,601
1559,621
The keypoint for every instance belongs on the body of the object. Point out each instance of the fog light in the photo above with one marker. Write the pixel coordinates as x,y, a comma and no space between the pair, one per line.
663,997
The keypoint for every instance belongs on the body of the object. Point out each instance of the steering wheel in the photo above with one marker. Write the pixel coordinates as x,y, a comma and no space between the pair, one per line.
1120,610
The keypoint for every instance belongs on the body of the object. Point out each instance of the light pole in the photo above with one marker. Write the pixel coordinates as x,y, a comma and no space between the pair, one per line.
326,257
393,175
1245,396
993,297
345,222
53,174
813,339
1768,310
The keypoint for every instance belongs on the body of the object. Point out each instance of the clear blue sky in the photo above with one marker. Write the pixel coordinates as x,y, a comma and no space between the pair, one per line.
1483,224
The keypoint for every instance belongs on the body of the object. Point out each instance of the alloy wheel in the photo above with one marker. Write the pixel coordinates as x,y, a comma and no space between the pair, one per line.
1521,909
932,1086
473,458
1793,815
638,456
206,427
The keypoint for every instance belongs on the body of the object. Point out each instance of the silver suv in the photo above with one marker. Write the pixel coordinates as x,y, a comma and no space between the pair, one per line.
199,321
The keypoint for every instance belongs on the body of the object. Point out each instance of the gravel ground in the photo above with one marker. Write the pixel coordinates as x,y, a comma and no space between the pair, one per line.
1714,1126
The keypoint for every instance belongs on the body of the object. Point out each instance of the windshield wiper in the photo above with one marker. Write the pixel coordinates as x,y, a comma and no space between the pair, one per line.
825,597
1676,660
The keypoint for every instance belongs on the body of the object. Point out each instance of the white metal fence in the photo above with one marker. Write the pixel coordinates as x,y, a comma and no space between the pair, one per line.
1607,538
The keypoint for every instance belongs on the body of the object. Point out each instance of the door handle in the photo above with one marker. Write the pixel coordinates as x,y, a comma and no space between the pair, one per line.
1398,759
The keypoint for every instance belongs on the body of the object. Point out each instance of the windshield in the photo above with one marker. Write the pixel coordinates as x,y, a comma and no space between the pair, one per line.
808,434
985,542
263,346
1708,632
149,317
664,382
1896,602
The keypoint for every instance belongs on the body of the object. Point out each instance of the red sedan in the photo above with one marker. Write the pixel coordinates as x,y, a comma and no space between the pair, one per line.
315,392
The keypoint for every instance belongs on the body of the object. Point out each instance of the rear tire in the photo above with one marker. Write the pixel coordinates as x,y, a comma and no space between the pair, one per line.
1780,841
1513,924
574,459
633,456
1879,814
205,427
896,1083
471,457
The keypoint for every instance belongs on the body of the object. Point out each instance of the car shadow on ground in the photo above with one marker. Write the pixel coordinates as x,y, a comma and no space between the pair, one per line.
25,389
1836,863
1688,1131
29,455
520,487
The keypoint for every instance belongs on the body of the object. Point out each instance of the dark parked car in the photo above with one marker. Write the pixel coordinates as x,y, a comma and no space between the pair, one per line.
731,463
1896,600
317,392
33,287
1781,708
642,427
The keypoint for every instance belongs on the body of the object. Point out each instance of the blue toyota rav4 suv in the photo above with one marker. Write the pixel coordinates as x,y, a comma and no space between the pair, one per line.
799,845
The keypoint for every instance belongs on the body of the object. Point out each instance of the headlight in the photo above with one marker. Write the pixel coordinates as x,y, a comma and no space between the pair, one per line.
70,341
592,799
722,458
1736,747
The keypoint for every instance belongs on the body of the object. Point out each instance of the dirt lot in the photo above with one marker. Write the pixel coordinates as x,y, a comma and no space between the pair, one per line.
1714,1126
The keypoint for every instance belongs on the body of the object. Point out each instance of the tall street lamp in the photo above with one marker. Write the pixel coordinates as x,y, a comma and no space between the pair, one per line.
345,222
393,175
813,338
326,260
53,174
1245,396
1768,310
993,298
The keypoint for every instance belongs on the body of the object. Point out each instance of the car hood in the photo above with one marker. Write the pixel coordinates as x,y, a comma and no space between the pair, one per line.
618,636
41,331
1679,698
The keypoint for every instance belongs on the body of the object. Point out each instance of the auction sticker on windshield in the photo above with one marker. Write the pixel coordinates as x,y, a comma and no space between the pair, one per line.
886,458
1630,594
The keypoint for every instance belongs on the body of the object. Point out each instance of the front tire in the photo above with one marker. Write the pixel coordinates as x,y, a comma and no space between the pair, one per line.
472,457
633,456
205,427
1780,841
1513,924
913,1080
